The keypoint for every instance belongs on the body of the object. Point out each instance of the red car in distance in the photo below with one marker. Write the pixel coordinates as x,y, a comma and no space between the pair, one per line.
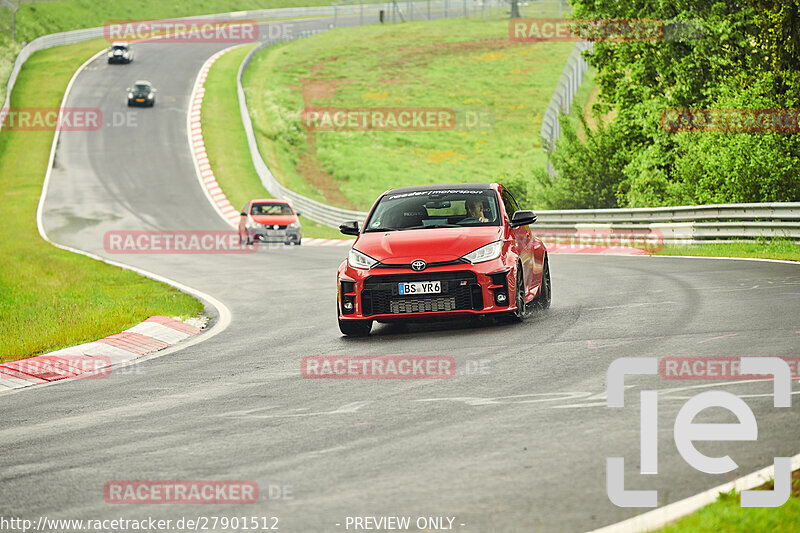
442,250
270,220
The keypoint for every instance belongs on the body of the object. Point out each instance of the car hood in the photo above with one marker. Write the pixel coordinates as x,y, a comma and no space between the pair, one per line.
432,245
283,220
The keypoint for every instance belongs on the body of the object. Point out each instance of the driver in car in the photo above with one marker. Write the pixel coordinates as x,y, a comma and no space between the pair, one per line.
475,209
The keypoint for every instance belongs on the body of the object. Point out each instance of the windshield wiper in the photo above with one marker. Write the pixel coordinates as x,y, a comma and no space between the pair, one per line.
425,226
369,230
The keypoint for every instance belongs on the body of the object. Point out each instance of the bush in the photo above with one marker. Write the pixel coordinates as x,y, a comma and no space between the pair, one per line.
588,173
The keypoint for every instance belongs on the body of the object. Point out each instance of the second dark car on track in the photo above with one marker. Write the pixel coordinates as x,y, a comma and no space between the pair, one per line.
142,94
442,250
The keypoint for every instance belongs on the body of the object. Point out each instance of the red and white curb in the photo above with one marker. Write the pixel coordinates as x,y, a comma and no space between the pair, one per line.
152,338
327,242
198,148
95,358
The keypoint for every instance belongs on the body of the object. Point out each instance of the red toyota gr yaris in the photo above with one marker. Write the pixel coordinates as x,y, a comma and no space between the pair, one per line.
442,250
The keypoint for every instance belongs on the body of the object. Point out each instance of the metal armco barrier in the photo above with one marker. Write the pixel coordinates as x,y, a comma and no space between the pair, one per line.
316,211
686,224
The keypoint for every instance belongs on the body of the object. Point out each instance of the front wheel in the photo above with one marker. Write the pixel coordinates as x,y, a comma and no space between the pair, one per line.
521,312
355,328
543,299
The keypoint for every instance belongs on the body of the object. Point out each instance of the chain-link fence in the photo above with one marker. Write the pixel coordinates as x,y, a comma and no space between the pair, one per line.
398,11
567,88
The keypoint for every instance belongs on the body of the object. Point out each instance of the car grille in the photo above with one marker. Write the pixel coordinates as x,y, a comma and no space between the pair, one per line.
429,265
460,290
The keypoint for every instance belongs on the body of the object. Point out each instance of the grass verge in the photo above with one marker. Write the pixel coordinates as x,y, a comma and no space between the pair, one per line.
765,249
226,143
50,298
727,515
459,64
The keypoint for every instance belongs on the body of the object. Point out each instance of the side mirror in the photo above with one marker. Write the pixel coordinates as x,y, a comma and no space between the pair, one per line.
349,228
297,213
243,213
522,218
128,89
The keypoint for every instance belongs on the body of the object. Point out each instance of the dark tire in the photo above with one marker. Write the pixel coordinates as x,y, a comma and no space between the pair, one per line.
355,328
521,312
545,296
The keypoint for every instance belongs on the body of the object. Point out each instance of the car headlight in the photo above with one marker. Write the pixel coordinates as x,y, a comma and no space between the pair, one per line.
150,96
485,253
358,260
110,54
251,224
294,225
130,95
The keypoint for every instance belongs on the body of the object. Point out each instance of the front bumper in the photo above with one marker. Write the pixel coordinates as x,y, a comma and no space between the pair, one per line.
267,234
118,59
466,290
147,102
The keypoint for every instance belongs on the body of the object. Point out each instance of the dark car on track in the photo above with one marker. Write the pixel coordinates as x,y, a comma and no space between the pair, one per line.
142,94
120,52
442,250
270,220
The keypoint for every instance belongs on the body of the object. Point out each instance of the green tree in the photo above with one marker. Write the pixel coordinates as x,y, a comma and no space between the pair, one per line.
746,55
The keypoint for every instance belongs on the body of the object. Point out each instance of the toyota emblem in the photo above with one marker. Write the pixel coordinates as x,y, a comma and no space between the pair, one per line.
419,264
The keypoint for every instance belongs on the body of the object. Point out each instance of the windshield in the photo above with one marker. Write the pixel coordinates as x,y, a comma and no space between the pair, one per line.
141,88
435,209
119,47
271,209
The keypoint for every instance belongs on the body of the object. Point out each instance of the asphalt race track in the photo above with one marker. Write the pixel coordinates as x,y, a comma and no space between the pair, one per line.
516,441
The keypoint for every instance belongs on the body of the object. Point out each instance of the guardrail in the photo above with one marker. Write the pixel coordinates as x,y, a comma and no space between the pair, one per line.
686,224
316,211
